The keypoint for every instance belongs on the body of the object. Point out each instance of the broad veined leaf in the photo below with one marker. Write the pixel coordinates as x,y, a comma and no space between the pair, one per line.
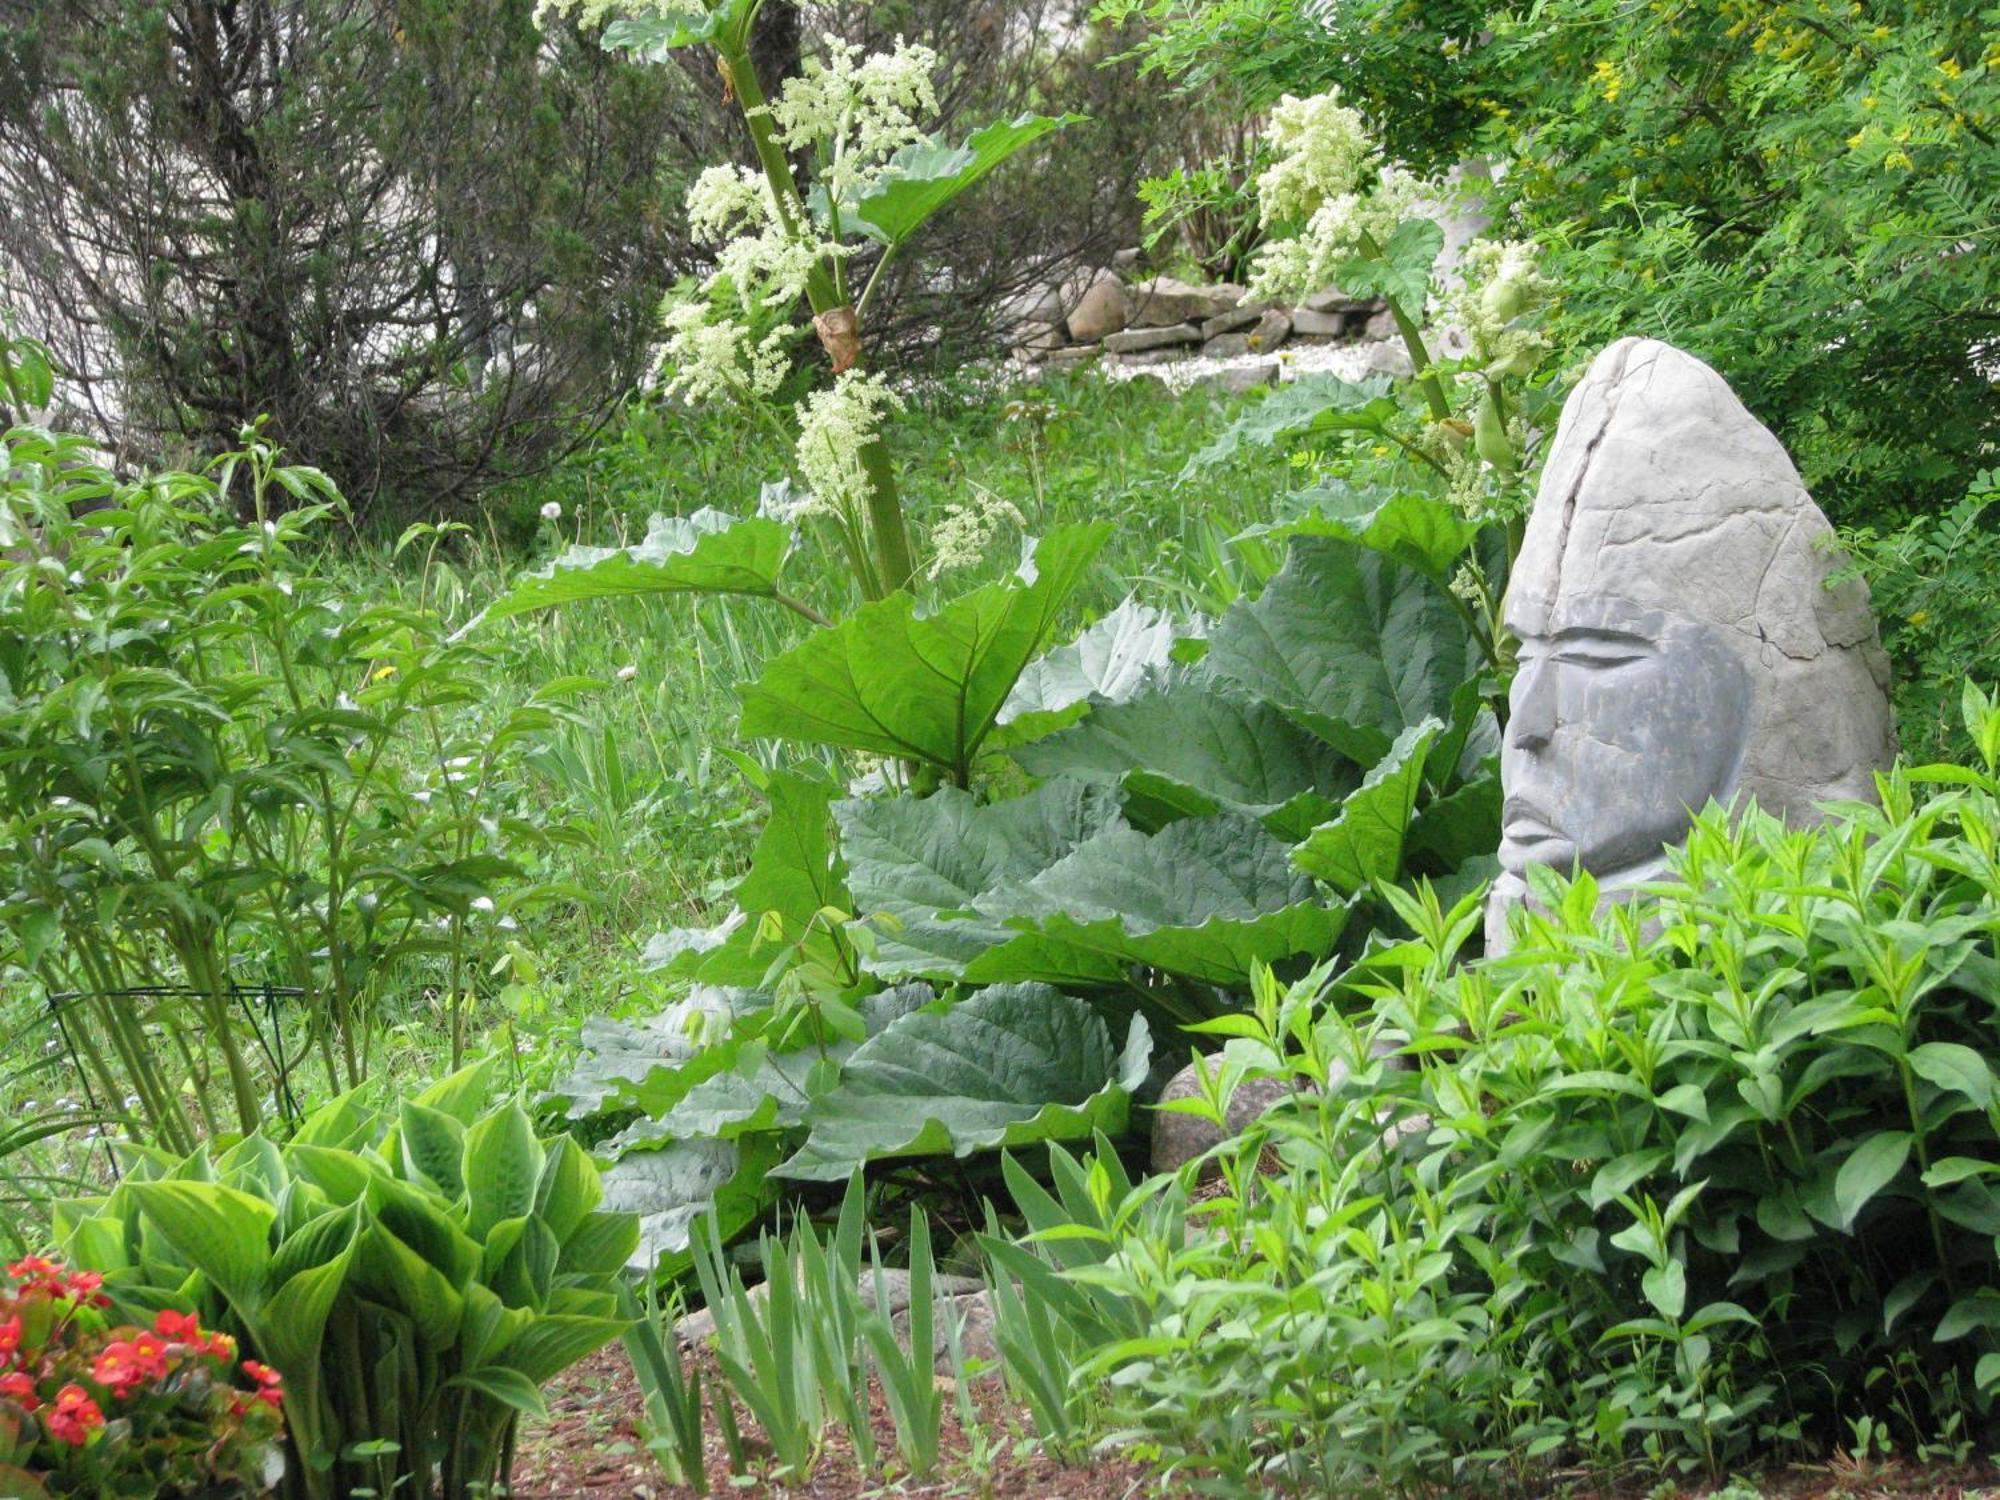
1206,899
222,1233
705,553
924,862
669,1189
650,38
648,1065
1365,843
1955,1068
1109,663
1314,403
502,1167
1188,748
1009,1066
763,1089
1403,271
1462,825
921,179
923,687
1349,643
1418,531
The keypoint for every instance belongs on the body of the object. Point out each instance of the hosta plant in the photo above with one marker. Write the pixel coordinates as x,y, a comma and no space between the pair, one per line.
416,1275
91,1408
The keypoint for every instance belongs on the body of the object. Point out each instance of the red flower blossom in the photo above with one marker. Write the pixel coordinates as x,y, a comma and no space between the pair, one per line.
75,1416
10,1335
19,1387
31,1266
177,1327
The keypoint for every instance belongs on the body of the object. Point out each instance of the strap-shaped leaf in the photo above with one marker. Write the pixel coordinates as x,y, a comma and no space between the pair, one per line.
222,1233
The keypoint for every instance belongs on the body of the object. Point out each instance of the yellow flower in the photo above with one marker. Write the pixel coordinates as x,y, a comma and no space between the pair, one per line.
1881,33
1920,616
382,673
1950,68
1897,159
1606,73
1870,102
1854,141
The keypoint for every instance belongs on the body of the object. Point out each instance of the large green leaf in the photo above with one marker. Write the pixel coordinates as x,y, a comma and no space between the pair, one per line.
1207,899
1418,531
1009,1066
1188,748
924,862
648,1065
707,552
1365,843
1403,270
1349,643
669,1189
921,179
222,1233
891,681
1109,663
795,870
651,37
1311,404
502,1167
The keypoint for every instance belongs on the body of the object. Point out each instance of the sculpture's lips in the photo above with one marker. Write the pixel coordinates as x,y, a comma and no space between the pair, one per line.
1524,824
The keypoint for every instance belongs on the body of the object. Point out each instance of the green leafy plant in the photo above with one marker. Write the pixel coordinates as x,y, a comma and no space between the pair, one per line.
416,1276
216,775
1676,1181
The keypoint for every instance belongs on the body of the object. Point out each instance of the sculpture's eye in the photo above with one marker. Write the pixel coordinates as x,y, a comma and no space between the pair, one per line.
1602,652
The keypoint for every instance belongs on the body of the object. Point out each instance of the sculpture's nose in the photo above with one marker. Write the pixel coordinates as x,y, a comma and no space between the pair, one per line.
1531,715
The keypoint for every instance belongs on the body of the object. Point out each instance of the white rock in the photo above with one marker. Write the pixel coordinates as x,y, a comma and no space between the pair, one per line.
1102,308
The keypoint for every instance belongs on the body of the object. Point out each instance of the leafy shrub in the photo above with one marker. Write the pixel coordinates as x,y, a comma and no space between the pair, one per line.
90,1409
1708,1171
214,770
417,1277
1803,198
1932,587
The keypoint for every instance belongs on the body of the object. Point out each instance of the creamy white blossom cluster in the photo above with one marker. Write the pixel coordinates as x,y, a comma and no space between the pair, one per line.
856,111
1331,175
966,530
834,426
1500,281
711,354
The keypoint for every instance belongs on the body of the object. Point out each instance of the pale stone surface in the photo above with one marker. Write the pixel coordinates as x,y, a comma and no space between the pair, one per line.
1238,380
1178,1139
1334,300
1164,300
1235,320
1678,640
1034,340
1272,330
1136,340
1102,308
1227,346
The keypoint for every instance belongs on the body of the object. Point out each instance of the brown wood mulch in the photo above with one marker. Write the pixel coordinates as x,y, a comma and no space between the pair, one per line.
591,1449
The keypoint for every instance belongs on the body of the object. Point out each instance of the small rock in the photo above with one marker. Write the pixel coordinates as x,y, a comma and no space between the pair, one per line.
1334,300
1072,357
1178,1139
1147,358
1164,301
1102,308
1033,306
1138,340
1380,325
1034,340
1233,320
1389,357
1240,380
1124,262
1272,330
1308,324
1227,346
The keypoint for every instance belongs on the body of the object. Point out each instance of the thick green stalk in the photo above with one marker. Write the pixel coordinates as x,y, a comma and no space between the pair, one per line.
1413,340
895,562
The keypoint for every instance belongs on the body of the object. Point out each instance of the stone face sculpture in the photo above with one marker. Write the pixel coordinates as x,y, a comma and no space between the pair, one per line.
1678,640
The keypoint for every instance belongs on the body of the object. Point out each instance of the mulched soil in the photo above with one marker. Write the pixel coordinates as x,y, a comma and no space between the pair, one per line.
591,1448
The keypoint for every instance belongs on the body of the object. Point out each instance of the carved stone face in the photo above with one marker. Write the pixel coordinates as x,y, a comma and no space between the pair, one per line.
1622,721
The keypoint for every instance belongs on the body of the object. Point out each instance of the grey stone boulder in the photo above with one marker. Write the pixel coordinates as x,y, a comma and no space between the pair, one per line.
964,1298
1035,306
1033,341
1178,1139
1146,359
1308,324
1381,324
1139,340
1240,380
1227,346
1273,331
1102,307
1235,320
1164,301
1125,261
1071,356
1334,300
